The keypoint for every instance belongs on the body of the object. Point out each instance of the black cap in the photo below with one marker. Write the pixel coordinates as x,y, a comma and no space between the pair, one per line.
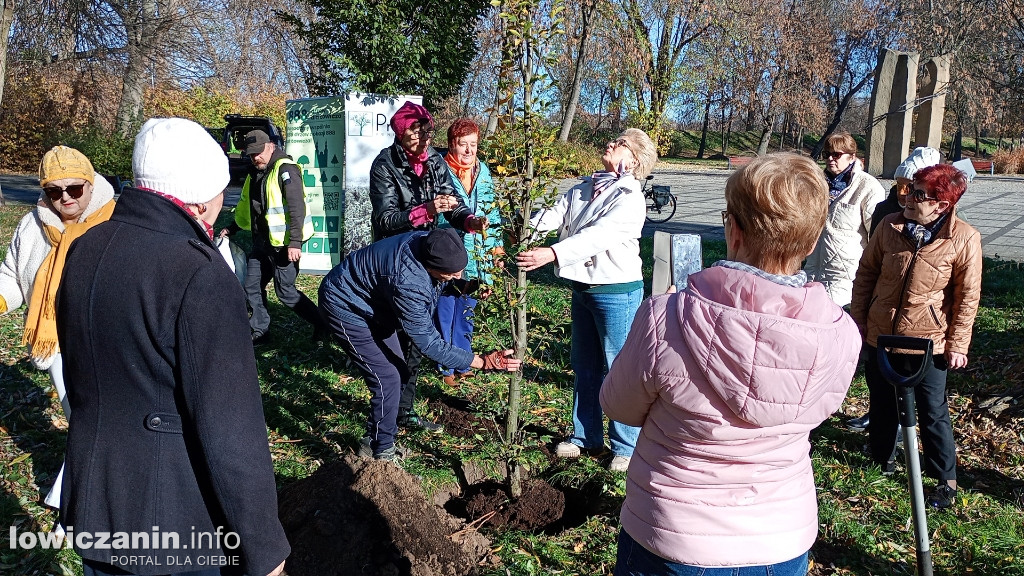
444,251
254,142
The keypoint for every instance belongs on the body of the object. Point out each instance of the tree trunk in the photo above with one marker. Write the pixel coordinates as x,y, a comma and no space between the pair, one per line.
783,131
766,137
520,330
503,73
956,145
977,141
6,20
727,129
837,117
577,73
704,127
142,37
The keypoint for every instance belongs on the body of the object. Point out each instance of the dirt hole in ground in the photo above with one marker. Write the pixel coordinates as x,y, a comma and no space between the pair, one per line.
487,503
357,516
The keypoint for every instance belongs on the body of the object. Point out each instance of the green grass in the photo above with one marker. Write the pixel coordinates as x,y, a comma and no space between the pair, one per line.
315,407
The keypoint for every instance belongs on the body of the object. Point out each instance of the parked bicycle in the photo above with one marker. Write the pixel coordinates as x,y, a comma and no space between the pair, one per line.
661,203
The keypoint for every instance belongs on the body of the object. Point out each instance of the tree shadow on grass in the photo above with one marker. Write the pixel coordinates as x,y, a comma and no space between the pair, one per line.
308,391
23,406
999,486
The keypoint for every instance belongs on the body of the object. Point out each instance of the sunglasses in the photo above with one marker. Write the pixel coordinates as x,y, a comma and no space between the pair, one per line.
836,155
55,193
921,195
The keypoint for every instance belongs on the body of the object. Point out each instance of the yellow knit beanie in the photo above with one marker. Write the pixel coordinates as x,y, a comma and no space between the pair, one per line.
62,162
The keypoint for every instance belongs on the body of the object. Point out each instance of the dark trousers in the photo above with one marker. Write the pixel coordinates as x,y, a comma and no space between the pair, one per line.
413,358
265,263
378,356
932,413
93,568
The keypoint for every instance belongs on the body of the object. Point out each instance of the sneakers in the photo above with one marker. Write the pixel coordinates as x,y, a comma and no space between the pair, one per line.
365,451
392,454
858,424
619,464
944,496
567,450
414,422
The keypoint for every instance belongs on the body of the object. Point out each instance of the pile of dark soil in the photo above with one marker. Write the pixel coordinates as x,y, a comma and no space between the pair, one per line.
359,516
458,419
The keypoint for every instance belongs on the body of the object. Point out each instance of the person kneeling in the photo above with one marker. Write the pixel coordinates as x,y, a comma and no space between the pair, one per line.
393,285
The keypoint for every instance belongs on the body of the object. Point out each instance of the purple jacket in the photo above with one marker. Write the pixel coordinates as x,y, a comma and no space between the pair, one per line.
727,379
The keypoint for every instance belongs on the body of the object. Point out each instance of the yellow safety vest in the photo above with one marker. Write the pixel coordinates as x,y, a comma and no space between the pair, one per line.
276,211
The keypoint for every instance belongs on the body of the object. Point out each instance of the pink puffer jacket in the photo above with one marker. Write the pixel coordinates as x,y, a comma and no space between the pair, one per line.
727,379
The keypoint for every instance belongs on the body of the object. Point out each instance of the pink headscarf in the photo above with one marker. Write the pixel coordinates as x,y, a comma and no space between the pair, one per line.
406,116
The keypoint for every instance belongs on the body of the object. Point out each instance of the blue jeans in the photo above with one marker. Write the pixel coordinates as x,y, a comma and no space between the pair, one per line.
600,324
455,323
632,559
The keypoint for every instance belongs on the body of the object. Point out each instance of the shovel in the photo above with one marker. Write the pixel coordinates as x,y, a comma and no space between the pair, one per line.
908,419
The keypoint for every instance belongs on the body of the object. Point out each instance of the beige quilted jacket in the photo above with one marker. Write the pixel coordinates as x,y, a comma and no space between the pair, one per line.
928,293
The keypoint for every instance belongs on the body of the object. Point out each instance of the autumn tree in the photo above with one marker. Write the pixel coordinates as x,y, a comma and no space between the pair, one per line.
658,33
391,46
520,153
852,32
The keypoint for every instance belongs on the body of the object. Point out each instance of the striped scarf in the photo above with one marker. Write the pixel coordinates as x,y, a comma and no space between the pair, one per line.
604,179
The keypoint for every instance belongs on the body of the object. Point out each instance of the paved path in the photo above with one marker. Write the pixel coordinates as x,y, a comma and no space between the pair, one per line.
993,204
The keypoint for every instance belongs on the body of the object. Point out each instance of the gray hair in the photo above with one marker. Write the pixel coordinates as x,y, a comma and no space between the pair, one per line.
643,148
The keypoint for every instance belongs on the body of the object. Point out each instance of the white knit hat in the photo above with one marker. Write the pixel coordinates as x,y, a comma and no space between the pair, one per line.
179,158
920,158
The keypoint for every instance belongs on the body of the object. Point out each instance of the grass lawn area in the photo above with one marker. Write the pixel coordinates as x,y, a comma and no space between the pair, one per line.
315,406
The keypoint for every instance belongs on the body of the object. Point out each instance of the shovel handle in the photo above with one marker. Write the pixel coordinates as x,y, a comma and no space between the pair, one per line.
906,343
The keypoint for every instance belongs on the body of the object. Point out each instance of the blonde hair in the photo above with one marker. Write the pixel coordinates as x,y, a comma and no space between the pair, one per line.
643,149
841,142
780,202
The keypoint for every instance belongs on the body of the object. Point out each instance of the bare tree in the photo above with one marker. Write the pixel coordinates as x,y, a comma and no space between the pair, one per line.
659,31
587,11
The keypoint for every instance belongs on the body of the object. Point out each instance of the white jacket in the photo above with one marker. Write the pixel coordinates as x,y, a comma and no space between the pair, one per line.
598,239
29,247
836,256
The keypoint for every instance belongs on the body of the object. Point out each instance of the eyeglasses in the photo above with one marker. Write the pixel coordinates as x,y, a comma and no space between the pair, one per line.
921,195
424,131
726,215
836,155
55,193
621,142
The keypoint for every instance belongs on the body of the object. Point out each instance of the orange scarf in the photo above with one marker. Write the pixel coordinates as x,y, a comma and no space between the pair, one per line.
465,172
41,322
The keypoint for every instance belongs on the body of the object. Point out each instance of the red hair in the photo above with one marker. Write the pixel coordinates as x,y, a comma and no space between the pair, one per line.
942,181
461,127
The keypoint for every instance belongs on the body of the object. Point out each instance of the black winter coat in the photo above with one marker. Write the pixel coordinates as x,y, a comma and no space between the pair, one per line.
167,427
395,189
